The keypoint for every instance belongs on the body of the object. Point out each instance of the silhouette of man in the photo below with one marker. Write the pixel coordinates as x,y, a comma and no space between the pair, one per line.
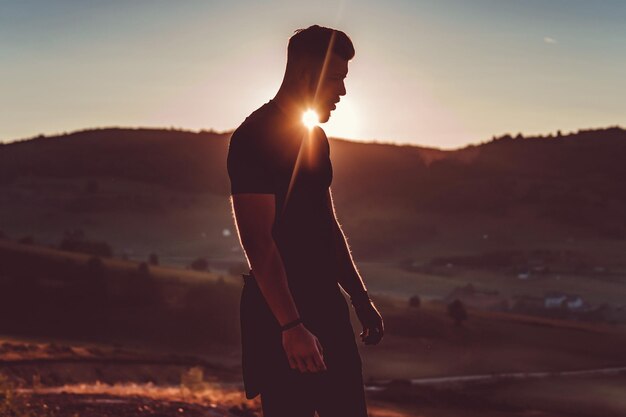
298,346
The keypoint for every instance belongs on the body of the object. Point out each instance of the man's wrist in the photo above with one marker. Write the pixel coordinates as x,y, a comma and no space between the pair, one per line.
291,324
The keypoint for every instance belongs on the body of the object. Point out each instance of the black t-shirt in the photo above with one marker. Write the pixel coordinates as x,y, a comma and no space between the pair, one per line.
274,154
269,153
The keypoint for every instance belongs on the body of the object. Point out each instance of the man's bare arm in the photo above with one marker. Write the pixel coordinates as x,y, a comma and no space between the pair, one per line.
351,281
254,218
349,277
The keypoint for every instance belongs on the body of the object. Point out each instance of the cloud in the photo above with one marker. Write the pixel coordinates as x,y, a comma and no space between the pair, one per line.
549,40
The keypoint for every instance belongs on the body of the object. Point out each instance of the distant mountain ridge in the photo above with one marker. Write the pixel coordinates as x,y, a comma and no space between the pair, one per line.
580,175
188,160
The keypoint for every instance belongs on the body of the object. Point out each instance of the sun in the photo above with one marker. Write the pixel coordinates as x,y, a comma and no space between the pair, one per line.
310,119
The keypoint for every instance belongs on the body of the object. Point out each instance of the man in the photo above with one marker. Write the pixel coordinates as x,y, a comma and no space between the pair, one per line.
298,346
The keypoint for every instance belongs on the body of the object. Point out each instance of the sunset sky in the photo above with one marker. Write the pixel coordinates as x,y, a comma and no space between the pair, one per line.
435,73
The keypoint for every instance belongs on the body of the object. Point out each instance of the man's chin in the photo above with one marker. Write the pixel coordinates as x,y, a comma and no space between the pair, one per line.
323,117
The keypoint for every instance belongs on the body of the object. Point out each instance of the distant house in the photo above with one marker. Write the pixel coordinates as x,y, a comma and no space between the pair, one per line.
533,272
575,302
554,299
572,302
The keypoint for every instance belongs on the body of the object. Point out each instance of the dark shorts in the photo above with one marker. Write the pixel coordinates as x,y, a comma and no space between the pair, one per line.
266,370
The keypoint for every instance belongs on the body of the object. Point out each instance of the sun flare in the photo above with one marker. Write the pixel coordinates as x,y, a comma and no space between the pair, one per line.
310,119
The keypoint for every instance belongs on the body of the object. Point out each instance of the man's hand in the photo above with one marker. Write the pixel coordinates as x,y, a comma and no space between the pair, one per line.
303,349
370,318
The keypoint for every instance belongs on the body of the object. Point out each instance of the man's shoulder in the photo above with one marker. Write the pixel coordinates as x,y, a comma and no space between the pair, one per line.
257,135
260,120
252,154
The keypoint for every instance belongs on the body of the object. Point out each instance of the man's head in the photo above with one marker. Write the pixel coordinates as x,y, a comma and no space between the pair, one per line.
317,63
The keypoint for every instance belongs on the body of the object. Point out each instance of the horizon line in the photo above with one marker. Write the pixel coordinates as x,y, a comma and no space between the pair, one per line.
364,141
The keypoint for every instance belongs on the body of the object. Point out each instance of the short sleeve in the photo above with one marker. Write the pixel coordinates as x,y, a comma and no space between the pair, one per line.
249,167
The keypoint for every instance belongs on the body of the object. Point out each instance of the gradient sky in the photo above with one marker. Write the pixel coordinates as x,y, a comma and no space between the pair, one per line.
436,73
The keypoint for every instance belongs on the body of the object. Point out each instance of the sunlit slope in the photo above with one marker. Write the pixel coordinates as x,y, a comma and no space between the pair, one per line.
51,293
61,295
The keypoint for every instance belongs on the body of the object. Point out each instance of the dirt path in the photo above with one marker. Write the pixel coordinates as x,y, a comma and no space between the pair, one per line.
375,385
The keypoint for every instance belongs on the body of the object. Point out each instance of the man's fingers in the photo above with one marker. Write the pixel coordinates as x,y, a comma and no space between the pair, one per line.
319,360
375,336
311,365
378,335
292,362
319,347
302,365
297,363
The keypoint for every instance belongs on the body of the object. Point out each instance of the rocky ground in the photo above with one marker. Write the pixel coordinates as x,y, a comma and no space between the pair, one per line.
58,380
62,380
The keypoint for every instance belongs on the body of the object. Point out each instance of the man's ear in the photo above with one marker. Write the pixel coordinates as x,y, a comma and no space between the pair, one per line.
309,84
306,80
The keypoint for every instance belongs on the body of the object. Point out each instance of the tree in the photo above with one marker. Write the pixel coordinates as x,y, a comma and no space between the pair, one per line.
456,310
415,301
153,259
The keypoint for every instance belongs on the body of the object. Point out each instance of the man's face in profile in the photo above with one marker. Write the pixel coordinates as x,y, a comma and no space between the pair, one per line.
331,87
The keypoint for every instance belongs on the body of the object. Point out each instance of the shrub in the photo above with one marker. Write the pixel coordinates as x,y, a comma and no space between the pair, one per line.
144,270
200,264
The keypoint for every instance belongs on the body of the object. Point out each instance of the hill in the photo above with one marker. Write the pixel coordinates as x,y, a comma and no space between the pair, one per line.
573,180
581,169
419,220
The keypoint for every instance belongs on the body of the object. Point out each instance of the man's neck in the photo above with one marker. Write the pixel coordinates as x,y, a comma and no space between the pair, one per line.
290,106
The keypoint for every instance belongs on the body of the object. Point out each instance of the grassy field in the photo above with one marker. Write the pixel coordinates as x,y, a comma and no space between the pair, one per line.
196,313
194,308
392,279
137,219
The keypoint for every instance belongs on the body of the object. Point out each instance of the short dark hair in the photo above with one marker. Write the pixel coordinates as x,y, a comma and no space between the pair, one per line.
310,45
